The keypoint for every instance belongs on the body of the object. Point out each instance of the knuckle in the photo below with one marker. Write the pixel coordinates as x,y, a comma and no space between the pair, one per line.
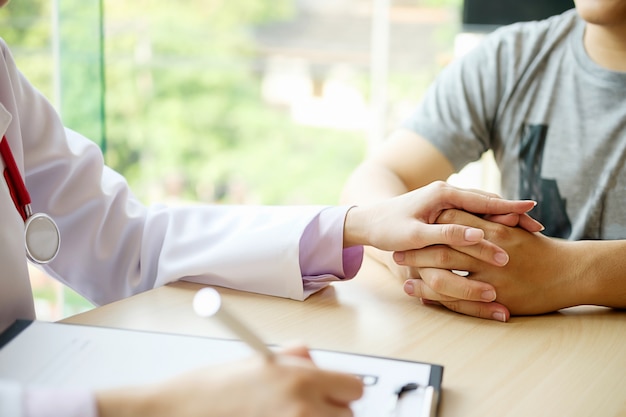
468,293
486,251
439,185
448,216
437,282
443,256
482,311
491,201
452,306
498,233
449,233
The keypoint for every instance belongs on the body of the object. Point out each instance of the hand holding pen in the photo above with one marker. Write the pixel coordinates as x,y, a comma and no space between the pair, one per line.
289,378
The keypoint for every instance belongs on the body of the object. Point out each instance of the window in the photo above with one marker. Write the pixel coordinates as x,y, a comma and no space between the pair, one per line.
247,101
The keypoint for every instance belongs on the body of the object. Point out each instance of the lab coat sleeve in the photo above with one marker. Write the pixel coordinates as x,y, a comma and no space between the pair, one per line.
112,246
18,401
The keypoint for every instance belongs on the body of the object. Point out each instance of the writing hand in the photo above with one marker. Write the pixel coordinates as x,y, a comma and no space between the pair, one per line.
288,386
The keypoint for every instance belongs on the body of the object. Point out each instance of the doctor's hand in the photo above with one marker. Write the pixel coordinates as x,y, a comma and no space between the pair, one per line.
537,279
407,222
289,386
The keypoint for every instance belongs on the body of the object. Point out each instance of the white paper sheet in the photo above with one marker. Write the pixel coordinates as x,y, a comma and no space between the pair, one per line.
65,355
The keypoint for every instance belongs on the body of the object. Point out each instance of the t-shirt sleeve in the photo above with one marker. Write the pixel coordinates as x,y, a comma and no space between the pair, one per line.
459,109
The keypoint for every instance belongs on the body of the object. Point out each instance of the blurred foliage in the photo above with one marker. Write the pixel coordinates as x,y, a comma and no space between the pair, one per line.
26,23
184,109
184,113
80,63
25,27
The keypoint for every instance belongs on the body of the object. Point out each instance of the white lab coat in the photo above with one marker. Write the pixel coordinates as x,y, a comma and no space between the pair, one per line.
112,246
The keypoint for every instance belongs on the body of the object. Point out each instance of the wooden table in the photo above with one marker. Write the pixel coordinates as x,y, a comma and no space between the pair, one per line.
570,363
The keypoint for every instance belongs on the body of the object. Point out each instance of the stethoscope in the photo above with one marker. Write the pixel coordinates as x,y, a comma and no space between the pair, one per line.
41,234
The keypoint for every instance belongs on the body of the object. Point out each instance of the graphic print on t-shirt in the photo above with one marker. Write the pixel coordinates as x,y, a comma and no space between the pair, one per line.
551,206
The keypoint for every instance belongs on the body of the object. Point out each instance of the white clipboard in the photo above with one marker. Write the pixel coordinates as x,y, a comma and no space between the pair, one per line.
45,354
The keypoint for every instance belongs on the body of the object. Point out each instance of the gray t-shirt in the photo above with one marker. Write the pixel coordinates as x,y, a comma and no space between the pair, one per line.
555,120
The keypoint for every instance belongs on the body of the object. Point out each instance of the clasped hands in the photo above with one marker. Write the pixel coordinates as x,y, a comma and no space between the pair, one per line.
438,229
532,281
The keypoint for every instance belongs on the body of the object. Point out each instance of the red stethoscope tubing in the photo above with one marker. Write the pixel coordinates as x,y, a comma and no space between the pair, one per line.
41,234
18,190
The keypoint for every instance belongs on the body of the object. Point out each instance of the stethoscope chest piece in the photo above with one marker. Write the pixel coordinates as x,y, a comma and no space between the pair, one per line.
41,234
42,238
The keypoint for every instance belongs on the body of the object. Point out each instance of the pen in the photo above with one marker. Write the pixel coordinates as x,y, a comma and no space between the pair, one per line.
430,406
207,302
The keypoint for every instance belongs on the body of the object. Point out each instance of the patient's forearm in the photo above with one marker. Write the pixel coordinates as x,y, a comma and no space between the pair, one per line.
602,266
370,183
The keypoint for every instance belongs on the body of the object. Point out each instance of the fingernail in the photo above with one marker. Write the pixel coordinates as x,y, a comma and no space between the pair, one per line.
473,235
409,288
488,295
500,316
398,256
501,258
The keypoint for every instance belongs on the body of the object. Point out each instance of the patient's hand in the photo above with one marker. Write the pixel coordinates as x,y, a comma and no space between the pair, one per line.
539,277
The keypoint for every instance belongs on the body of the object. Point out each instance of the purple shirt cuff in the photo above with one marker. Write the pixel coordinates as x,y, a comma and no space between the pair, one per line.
322,256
